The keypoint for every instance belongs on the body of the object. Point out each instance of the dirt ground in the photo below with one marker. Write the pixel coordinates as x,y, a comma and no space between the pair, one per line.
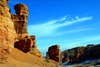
20,59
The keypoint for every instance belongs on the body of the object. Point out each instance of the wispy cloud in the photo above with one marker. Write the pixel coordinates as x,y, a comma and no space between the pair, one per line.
73,31
50,27
14,2
81,42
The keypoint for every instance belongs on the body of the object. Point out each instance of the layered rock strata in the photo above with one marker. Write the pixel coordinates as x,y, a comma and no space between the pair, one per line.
82,53
23,41
7,31
54,53
20,19
66,57
34,50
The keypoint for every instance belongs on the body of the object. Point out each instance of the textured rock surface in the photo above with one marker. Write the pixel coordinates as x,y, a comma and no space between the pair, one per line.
23,41
34,42
24,44
88,52
34,50
54,53
66,57
20,20
7,31
70,52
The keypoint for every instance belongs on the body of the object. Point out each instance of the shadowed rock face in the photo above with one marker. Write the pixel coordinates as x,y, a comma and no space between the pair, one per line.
28,44
7,31
20,20
82,53
54,53
66,57
24,44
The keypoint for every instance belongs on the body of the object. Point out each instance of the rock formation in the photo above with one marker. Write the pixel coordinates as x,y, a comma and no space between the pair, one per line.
66,57
23,41
20,20
54,53
7,31
24,44
78,51
88,52
34,50
34,42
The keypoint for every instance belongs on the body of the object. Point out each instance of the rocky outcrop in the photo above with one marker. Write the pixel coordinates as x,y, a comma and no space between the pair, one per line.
54,53
88,52
20,20
70,52
66,57
28,44
34,50
78,51
23,41
34,42
24,44
7,31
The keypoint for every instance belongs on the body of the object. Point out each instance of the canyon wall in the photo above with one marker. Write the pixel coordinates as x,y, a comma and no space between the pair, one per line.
23,41
7,31
66,57
88,52
20,19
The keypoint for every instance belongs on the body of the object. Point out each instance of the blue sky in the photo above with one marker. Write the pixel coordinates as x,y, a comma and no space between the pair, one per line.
68,23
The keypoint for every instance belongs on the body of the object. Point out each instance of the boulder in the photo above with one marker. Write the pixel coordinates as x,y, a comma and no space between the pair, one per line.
7,31
24,44
54,53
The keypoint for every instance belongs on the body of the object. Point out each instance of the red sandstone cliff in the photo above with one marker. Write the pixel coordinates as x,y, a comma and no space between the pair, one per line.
54,53
34,50
13,32
20,20
7,31
23,41
88,52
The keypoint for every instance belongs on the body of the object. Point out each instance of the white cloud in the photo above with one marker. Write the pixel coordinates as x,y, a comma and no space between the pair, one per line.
13,2
49,28
81,42
77,17
73,31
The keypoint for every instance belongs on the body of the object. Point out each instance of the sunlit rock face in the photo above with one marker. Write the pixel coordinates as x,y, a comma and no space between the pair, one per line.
23,41
20,19
54,53
7,31
34,50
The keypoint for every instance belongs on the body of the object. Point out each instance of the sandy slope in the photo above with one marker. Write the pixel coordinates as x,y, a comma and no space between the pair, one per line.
20,59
